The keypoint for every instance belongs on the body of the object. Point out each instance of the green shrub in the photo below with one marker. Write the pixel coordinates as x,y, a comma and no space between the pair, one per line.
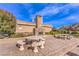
76,35
17,35
53,32
1,36
74,32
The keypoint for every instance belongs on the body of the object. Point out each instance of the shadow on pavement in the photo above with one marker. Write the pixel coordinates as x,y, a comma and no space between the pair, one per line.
71,54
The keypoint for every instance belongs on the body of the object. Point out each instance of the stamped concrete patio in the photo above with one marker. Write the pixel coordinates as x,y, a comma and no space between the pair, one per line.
53,47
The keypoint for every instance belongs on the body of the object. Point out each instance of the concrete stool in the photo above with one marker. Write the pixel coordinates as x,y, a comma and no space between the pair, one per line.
36,44
21,45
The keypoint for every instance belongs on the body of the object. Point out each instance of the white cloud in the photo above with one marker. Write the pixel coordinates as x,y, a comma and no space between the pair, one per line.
48,11
71,19
52,10
74,4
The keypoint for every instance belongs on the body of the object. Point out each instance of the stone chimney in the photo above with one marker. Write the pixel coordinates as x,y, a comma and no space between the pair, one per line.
38,24
38,21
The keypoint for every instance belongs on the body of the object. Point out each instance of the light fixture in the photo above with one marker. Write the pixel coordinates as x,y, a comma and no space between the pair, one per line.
20,27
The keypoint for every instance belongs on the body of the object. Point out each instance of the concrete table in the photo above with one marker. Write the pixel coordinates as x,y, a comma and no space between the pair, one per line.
35,42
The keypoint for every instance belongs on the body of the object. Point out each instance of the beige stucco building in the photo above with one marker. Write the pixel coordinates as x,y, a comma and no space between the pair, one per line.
22,26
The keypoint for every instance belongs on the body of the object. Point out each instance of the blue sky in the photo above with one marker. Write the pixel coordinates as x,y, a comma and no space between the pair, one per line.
56,14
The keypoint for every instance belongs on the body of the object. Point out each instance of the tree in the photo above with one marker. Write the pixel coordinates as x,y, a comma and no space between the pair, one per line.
7,22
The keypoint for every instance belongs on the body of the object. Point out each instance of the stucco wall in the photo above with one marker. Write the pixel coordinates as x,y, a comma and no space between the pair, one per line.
21,28
47,29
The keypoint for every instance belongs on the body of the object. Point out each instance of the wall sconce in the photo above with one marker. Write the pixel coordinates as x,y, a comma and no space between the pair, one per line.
20,27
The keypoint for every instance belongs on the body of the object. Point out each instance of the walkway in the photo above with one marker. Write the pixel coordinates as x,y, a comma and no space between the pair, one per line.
53,47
